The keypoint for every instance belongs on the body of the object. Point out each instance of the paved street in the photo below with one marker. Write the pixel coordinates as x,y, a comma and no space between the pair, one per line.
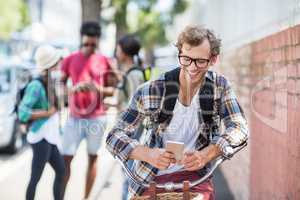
15,172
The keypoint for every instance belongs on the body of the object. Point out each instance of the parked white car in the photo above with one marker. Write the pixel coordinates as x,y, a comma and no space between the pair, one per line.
12,78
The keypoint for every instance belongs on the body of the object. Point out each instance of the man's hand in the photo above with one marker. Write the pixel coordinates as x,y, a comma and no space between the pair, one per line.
106,91
156,157
83,87
160,158
198,159
194,160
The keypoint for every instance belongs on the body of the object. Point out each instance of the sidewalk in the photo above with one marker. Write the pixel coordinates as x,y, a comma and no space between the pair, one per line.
15,175
108,184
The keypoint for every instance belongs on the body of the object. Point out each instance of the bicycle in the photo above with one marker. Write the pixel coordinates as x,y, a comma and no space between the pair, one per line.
171,187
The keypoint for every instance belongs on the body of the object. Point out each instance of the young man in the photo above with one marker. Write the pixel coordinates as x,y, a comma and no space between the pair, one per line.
173,108
89,73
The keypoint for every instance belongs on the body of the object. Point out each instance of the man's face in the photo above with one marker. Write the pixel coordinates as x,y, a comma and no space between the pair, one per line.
195,60
89,44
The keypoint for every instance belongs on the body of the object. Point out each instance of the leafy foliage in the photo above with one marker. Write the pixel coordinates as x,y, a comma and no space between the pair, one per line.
13,17
149,22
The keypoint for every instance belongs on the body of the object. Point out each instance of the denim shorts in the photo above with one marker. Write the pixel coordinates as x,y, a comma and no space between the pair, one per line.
77,129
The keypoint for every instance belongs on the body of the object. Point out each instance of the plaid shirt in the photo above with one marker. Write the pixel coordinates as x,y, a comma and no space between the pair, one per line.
145,107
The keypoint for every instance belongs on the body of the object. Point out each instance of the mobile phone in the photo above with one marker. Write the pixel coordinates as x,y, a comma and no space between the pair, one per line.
176,148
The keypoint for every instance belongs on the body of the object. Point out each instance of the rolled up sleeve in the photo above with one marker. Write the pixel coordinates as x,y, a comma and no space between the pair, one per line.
119,141
236,127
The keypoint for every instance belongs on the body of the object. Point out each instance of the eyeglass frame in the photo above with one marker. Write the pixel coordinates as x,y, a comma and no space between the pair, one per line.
194,60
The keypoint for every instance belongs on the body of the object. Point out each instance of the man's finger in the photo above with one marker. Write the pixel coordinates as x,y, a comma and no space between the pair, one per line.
163,165
189,153
190,164
168,154
165,160
189,159
194,168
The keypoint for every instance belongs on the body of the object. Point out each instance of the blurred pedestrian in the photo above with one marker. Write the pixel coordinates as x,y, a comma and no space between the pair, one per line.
129,69
131,76
89,72
38,109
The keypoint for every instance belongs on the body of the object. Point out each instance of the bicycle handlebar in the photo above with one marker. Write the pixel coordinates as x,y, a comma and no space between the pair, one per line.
173,186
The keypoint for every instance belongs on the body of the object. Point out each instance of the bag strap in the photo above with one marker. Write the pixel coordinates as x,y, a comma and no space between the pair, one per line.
206,97
136,68
170,94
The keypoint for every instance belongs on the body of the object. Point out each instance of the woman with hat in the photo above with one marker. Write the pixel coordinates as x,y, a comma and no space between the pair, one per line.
37,108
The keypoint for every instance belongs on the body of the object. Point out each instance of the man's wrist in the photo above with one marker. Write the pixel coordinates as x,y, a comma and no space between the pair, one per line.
140,153
211,152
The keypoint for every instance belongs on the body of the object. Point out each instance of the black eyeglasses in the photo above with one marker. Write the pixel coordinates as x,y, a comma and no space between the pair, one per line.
187,61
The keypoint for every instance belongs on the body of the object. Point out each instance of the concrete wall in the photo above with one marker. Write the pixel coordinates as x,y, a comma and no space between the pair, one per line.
261,57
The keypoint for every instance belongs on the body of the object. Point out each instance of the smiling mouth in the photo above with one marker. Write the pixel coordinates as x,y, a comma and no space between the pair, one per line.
192,74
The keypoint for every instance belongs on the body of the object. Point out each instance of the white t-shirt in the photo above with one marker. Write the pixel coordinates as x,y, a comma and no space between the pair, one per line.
183,127
50,131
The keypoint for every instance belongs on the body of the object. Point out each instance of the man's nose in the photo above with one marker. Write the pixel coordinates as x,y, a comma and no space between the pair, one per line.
193,66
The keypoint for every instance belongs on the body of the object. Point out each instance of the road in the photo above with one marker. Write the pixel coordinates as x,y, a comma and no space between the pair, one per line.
15,173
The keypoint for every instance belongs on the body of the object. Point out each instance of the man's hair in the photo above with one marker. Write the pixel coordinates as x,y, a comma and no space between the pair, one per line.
195,35
129,45
91,29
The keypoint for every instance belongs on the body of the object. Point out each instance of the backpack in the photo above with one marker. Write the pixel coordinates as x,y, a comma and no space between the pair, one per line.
20,95
146,72
146,75
206,97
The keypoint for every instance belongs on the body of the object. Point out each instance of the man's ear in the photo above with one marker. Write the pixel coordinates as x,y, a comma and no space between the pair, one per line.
213,60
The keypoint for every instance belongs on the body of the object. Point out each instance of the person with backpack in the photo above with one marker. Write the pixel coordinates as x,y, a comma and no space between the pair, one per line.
128,68
131,75
185,105
38,109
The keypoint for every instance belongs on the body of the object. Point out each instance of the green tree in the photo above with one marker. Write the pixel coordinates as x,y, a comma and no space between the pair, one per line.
149,22
13,17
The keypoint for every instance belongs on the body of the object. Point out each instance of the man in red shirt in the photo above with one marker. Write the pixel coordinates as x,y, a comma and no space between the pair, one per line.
89,73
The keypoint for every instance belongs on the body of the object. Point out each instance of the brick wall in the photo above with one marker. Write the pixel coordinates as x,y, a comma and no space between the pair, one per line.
236,66
275,147
266,77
